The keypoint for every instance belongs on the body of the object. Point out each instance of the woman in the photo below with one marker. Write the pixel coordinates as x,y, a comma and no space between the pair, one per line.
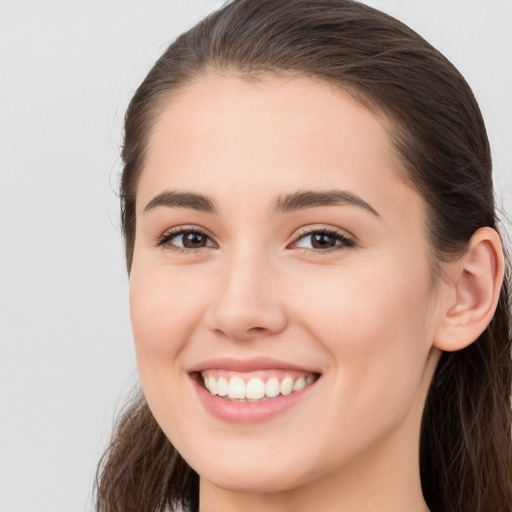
317,282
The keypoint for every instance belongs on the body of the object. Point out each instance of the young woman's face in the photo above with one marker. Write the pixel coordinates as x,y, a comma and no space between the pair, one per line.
277,247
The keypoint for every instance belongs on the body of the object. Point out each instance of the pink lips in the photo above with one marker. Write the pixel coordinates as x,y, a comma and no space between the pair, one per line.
247,365
247,412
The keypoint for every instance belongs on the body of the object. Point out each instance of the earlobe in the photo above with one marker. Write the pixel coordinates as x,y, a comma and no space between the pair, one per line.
475,282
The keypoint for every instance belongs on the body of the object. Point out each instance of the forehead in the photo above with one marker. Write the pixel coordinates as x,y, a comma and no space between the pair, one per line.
241,139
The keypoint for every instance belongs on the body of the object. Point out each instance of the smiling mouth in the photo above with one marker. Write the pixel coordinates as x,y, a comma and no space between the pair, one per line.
248,387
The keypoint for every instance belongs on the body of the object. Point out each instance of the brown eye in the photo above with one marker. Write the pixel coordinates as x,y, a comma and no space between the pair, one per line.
322,241
185,239
193,240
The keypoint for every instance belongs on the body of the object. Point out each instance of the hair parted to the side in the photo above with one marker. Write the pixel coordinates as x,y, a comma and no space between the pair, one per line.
440,137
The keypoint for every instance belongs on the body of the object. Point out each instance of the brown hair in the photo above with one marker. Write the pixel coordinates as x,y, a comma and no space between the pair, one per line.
439,134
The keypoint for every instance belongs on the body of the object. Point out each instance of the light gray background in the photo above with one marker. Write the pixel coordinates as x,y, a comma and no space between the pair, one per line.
67,71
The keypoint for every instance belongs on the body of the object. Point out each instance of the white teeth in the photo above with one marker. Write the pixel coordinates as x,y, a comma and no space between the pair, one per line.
212,385
255,389
272,387
286,386
299,384
236,388
222,387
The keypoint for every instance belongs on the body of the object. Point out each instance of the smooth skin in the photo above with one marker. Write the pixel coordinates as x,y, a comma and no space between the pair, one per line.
364,313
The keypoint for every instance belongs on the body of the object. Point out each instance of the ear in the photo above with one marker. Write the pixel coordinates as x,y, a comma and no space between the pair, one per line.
473,289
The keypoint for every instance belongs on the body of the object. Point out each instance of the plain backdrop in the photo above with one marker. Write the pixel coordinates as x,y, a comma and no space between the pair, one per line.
67,71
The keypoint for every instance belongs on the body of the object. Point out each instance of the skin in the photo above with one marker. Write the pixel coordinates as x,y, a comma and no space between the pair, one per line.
365,316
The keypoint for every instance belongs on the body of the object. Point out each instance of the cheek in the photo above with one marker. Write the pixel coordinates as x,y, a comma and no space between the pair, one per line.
373,324
165,307
163,317
367,307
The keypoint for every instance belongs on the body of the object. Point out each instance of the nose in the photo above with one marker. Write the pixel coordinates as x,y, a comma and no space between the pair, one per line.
248,303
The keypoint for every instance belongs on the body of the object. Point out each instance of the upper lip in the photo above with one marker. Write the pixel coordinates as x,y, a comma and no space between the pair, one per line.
247,365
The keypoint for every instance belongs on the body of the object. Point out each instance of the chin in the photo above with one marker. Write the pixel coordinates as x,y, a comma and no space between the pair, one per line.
262,471
250,481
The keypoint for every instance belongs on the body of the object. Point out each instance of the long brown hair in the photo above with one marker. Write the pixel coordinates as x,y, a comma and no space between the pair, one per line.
439,134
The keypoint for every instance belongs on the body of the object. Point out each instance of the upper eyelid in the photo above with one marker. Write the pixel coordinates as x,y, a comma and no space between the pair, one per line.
298,234
307,230
179,230
176,230
346,240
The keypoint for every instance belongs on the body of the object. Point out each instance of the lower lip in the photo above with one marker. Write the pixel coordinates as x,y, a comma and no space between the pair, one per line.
248,412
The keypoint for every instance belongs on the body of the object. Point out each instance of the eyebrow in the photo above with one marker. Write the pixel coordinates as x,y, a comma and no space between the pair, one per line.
286,203
174,199
312,199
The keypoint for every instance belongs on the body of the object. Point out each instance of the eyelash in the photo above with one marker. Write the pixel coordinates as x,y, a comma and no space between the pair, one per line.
169,235
346,242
